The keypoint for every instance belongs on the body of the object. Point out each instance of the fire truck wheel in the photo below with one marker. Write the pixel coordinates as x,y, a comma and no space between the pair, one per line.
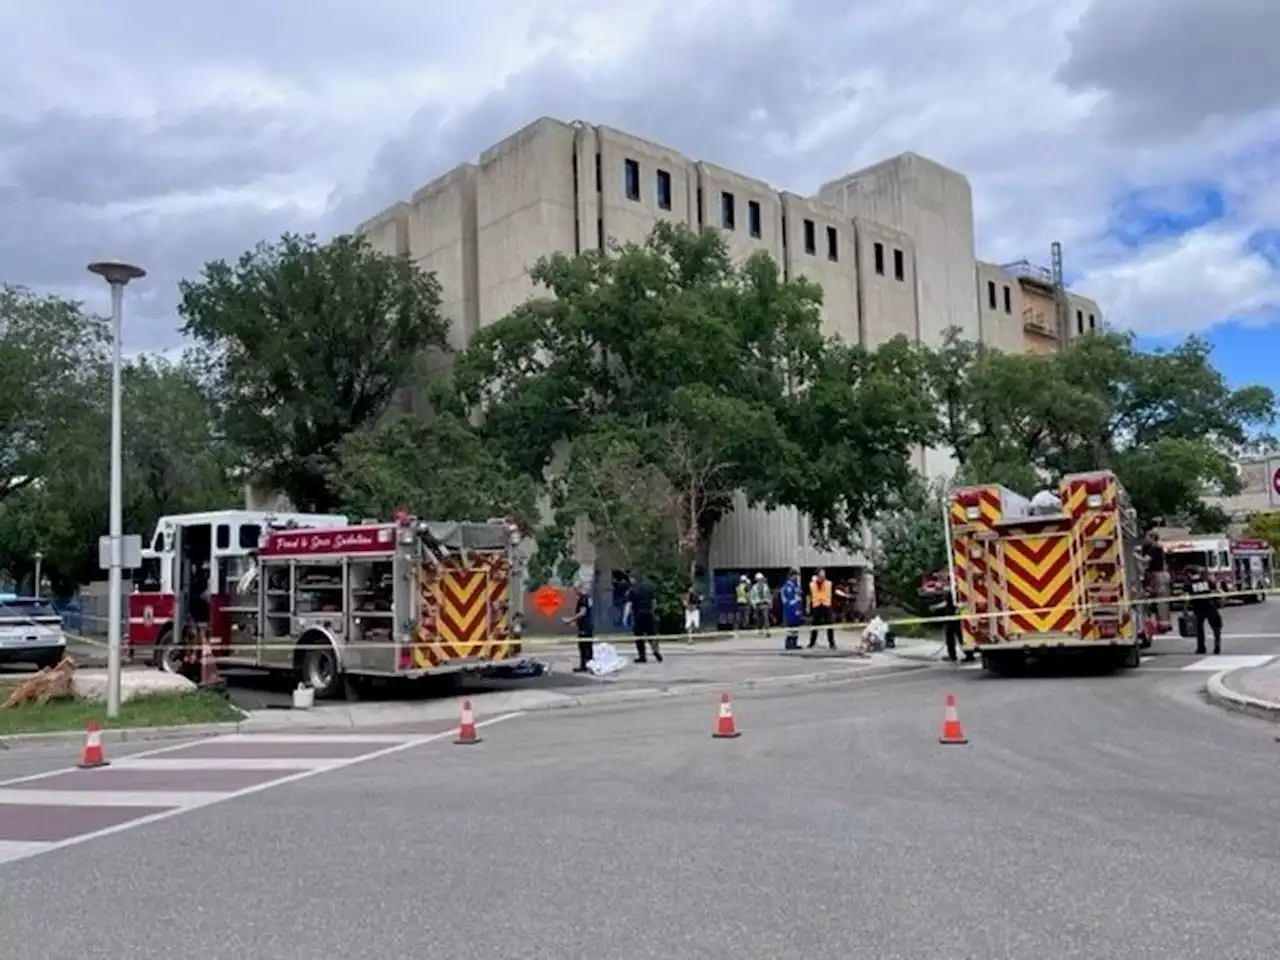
318,664
168,655
1133,657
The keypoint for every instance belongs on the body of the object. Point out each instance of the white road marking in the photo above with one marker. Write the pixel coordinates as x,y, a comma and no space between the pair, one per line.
1229,662
11,852
287,764
388,738
19,850
110,798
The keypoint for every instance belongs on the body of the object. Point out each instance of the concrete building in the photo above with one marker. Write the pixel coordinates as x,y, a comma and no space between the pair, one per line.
891,245
1018,309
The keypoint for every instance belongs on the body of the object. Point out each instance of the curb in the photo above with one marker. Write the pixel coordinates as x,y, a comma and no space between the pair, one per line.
564,702
1217,691
120,734
613,697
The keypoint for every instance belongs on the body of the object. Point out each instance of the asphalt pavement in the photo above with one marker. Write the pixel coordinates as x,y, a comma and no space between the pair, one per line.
1090,817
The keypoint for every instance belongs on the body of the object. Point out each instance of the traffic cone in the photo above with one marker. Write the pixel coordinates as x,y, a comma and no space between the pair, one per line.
725,727
467,726
93,755
209,676
952,732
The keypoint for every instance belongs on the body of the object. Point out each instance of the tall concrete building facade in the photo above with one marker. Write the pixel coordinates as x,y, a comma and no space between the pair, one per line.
892,247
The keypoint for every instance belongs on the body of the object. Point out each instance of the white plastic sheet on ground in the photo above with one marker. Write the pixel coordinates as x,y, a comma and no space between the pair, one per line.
606,661
874,633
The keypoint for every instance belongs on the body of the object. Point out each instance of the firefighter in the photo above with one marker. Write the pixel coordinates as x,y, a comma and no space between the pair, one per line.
820,609
1204,607
946,607
792,609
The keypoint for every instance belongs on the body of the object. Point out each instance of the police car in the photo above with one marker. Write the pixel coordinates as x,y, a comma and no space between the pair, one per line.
30,631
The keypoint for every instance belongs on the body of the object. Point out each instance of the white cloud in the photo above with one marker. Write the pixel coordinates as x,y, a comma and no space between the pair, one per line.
241,118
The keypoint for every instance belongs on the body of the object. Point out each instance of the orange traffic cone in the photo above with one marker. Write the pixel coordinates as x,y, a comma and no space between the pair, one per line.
952,732
209,676
93,755
725,727
467,726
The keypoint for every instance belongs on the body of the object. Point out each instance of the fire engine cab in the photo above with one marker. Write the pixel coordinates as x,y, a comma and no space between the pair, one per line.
191,560
1236,567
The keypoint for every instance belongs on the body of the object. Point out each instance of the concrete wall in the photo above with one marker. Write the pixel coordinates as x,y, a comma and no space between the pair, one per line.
720,192
388,232
442,240
934,206
1083,316
999,320
626,162
887,296
831,260
525,209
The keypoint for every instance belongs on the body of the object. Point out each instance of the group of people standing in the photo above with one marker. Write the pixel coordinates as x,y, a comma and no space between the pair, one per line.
639,612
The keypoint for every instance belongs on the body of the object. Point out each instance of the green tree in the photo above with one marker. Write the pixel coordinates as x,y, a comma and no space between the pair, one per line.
910,544
306,342
1265,526
1166,422
435,466
663,367
173,462
50,353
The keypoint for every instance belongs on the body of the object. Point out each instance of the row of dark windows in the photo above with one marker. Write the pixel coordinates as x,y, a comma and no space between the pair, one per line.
1007,296
729,217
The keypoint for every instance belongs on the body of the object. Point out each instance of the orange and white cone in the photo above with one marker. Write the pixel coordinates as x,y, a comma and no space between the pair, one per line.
952,732
467,726
209,676
726,729
93,755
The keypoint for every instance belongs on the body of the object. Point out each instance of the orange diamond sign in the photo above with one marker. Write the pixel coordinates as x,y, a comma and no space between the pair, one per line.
547,600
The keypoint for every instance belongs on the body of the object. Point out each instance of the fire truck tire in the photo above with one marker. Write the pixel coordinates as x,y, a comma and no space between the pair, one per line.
318,667
1132,657
168,655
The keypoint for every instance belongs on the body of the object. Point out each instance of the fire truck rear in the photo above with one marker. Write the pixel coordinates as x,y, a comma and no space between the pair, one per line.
391,600
1052,575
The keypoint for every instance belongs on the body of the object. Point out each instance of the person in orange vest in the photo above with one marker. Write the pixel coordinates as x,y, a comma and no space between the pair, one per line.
820,609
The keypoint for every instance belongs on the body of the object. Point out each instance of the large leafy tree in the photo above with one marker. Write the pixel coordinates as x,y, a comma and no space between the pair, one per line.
658,379
910,543
307,342
434,465
51,351
173,460
1166,421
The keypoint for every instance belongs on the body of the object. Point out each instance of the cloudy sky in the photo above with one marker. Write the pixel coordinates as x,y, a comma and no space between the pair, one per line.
1143,134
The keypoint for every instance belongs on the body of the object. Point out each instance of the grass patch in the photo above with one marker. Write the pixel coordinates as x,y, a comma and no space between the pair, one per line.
147,710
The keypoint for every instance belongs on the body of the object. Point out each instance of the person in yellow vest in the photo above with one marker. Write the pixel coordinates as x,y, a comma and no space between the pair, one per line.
820,609
742,597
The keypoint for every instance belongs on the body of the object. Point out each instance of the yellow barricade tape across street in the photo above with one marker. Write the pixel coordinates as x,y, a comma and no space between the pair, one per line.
712,636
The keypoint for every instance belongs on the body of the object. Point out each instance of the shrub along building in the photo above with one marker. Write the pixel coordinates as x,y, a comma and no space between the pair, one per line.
891,245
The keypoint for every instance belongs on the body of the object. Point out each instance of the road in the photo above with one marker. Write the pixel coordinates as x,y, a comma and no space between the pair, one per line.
1088,817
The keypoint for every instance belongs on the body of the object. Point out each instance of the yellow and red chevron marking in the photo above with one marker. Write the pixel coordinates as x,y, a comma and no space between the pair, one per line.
971,597
1075,495
988,503
1040,583
465,612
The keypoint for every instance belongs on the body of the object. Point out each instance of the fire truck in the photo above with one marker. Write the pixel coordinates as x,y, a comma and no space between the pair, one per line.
1235,566
1053,574
333,602
204,553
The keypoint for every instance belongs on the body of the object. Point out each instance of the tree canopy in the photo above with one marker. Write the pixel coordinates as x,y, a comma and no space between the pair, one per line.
306,342
1166,422
657,379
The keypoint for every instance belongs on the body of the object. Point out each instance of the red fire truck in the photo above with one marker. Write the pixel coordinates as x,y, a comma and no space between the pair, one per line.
338,602
204,552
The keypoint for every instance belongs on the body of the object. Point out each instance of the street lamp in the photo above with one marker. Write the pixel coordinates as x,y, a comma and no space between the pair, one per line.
117,274
38,557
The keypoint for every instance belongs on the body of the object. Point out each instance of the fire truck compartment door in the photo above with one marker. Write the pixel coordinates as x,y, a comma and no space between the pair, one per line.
1040,582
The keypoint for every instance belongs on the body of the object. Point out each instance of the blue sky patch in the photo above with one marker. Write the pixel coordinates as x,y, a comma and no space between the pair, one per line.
1266,244
1145,216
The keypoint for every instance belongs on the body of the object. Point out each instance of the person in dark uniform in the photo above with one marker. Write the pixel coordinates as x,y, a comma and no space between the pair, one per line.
946,607
584,618
1204,607
644,618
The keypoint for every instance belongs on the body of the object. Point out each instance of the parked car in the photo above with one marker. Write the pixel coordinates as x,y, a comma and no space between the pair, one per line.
30,631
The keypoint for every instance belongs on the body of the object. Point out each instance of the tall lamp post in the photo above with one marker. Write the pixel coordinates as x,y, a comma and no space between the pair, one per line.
38,557
117,274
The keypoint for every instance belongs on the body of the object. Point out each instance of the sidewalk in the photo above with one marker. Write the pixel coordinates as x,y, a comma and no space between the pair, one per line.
1254,690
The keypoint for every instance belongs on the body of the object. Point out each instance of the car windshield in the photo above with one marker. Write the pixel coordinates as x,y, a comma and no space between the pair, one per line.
25,608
